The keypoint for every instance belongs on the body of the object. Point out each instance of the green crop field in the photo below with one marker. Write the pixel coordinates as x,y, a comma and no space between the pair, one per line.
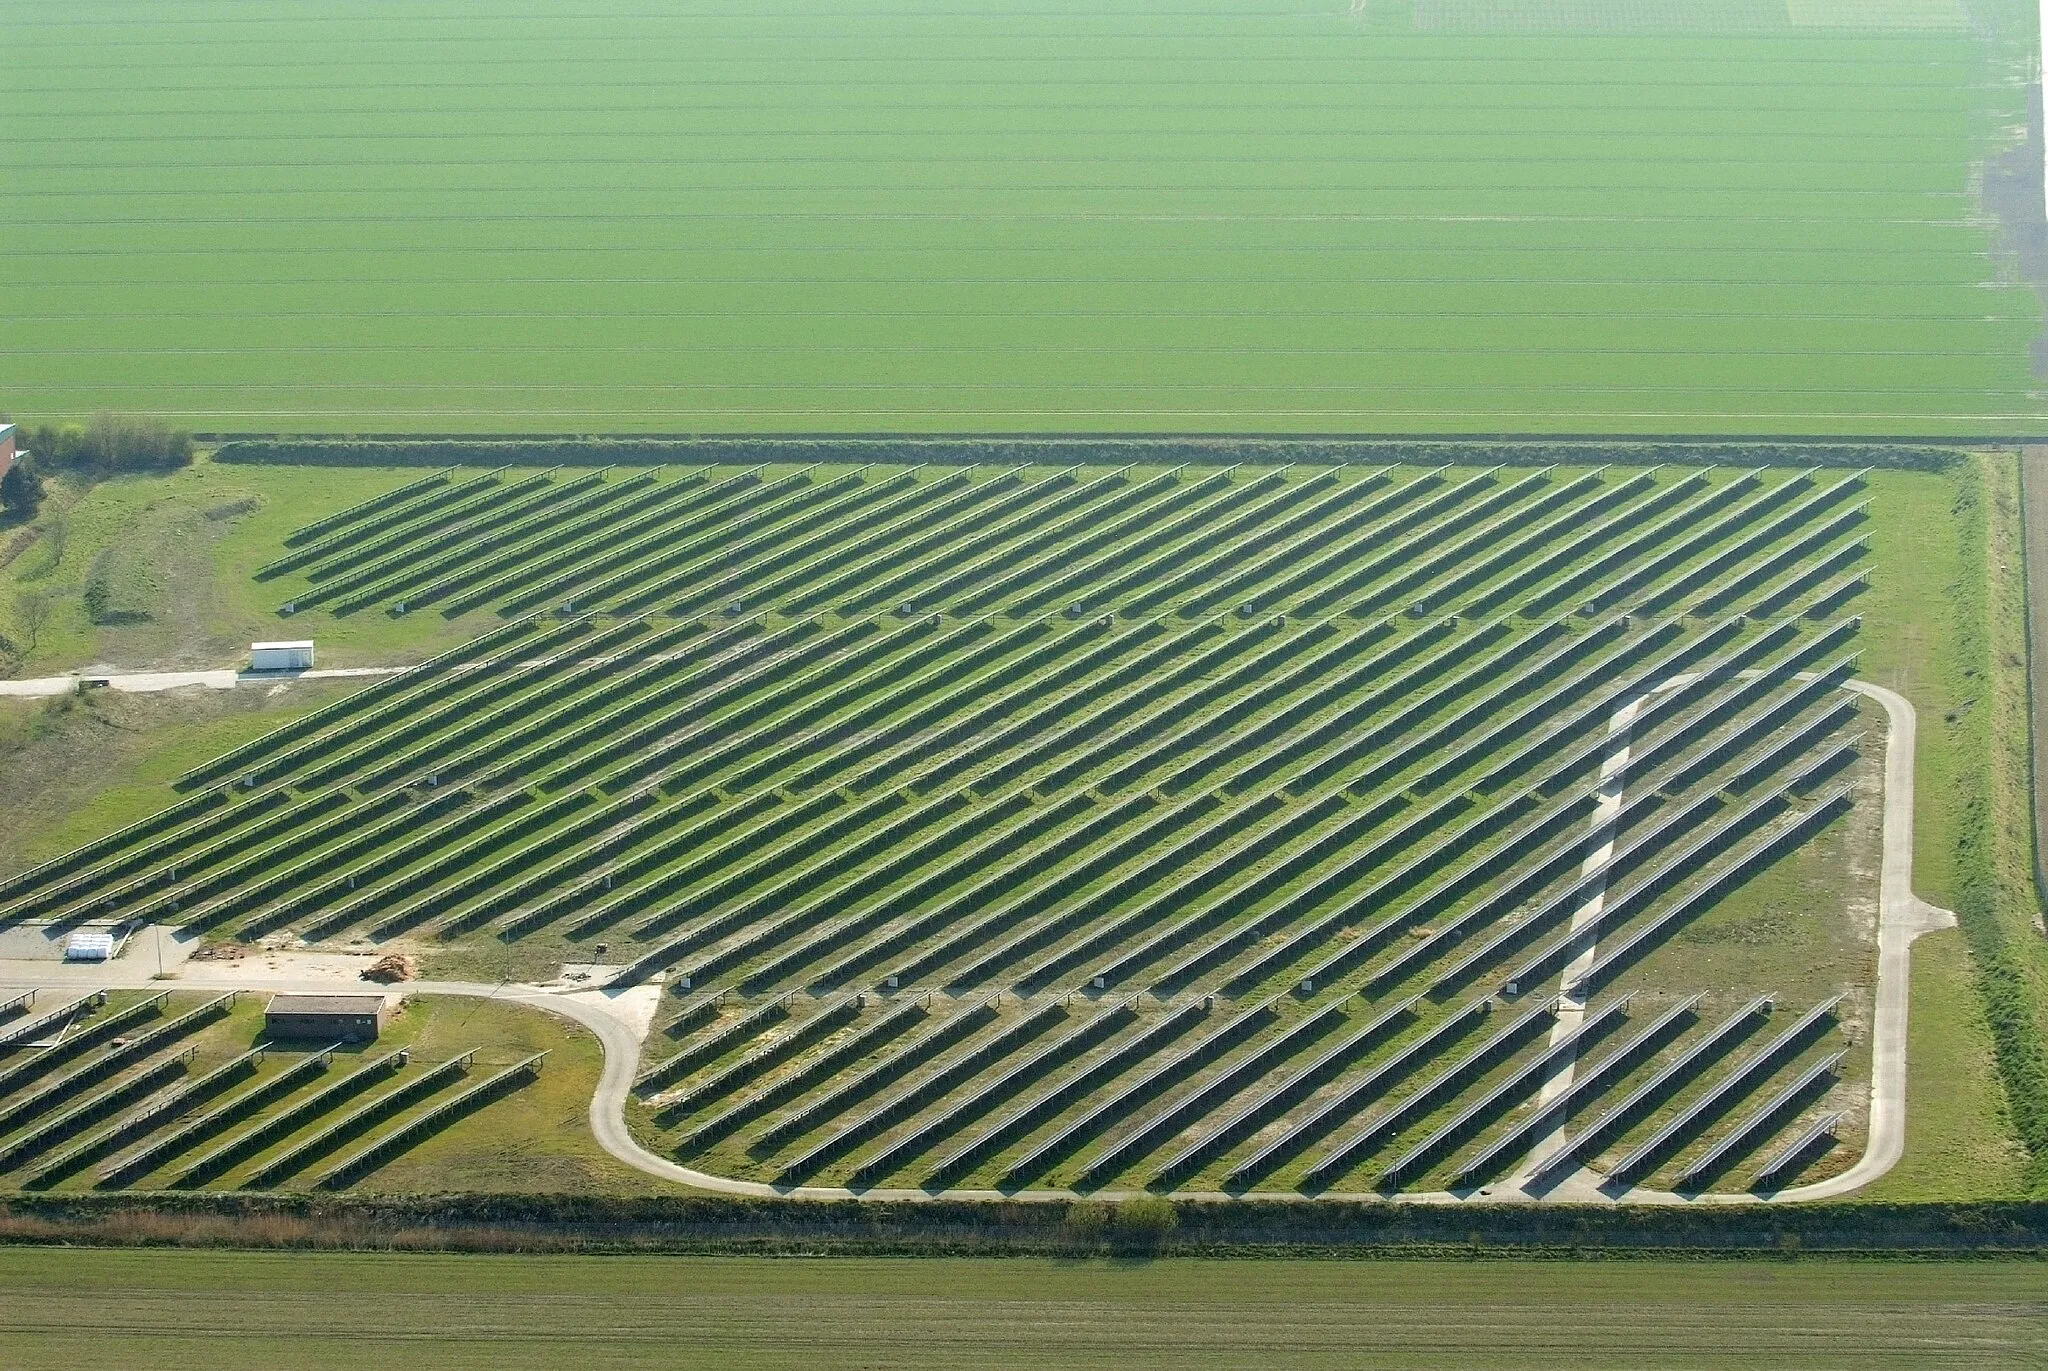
1776,216
1242,828
63,1308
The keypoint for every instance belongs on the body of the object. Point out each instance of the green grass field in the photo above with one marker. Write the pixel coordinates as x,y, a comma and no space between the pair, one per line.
148,1310
175,553
1387,216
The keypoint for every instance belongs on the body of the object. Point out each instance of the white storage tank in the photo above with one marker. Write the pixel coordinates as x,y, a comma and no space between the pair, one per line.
293,656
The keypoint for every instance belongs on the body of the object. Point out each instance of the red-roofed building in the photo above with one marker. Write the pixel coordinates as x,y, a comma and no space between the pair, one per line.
6,447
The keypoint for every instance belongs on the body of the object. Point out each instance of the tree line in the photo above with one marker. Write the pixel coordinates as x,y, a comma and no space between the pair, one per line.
108,445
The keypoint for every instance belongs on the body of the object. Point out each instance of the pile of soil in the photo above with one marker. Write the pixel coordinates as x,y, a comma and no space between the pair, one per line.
392,966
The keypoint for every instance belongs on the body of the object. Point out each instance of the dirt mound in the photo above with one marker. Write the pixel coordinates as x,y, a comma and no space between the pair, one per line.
392,966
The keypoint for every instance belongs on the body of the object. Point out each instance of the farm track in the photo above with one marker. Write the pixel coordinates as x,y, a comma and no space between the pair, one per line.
1182,741
150,682
2034,527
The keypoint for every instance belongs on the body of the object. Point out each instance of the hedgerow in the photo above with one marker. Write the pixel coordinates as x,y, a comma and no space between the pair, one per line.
546,452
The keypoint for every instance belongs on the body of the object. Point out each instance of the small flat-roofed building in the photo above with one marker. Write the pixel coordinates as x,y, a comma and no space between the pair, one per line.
296,655
329,1018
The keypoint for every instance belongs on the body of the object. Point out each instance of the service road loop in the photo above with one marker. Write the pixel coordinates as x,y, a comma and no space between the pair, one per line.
1902,917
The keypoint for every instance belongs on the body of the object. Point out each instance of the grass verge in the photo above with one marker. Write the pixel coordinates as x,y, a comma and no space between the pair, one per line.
1992,872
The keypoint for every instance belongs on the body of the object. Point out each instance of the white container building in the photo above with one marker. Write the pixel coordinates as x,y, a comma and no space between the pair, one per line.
291,656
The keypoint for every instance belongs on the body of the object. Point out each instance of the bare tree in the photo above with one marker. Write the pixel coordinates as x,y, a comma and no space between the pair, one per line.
32,614
56,536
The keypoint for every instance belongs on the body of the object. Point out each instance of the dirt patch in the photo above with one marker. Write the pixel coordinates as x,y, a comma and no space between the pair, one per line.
233,509
635,1006
18,542
269,966
41,941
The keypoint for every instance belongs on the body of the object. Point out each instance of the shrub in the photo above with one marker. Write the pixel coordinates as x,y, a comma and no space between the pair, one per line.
1082,1226
99,601
21,489
112,444
1143,1221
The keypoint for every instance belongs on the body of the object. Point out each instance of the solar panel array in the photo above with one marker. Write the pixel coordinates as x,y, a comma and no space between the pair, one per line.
175,1089
1103,810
